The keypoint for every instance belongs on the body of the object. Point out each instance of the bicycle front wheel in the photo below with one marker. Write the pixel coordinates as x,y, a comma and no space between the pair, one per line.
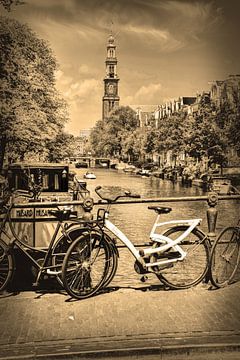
192,269
225,257
61,247
85,265
112,262
6,265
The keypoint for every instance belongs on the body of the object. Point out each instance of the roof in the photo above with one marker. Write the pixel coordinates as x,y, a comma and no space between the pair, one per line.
144,108
189,100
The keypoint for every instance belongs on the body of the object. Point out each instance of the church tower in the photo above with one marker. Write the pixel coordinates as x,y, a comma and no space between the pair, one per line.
110,97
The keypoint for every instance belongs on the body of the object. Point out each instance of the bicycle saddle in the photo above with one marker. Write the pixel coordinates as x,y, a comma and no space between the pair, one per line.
160,210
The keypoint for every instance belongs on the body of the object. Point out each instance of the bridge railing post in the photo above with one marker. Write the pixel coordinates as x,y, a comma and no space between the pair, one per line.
212,214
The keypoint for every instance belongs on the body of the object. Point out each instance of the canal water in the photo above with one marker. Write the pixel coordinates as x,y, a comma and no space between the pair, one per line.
136,220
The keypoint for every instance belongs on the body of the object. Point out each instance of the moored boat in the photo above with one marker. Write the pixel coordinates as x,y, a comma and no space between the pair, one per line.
89,175
144,172
129,168
220,185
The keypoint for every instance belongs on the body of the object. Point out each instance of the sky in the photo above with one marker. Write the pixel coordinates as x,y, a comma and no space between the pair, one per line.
165,48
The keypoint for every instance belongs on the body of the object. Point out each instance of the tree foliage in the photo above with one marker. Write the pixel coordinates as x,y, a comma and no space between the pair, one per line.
206,138
109,136
60,147
32,112
7,4
228,117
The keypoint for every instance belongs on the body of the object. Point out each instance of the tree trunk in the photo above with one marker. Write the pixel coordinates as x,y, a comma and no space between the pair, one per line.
3,143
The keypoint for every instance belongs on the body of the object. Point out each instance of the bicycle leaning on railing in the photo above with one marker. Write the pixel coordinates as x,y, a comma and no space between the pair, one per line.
47,261
179,256
225,256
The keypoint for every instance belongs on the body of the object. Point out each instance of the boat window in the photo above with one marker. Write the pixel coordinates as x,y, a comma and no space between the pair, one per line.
45,181
56,182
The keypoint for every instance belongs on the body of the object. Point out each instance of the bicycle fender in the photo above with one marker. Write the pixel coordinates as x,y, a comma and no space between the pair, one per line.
112,243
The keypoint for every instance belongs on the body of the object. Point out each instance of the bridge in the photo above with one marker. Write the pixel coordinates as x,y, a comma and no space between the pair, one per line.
100,162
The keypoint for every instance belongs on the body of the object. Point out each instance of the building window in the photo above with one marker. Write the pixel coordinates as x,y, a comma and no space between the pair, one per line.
111,105
111,71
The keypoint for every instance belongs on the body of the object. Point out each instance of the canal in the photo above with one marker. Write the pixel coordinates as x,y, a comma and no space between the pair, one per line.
136,220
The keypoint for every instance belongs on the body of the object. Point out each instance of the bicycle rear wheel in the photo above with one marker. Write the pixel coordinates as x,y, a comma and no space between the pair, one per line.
6,265
85,265
225,257
192,269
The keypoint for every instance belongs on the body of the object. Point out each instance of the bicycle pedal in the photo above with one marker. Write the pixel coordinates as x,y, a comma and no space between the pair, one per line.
35,284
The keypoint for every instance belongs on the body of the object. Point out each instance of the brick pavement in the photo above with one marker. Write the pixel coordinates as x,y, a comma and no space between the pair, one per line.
36,323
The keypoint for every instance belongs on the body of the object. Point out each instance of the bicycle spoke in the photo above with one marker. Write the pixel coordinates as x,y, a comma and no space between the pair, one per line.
192,269
85,265
225,257
6,265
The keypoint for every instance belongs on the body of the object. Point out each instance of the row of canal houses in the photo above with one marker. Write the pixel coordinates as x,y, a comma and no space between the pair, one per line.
150,116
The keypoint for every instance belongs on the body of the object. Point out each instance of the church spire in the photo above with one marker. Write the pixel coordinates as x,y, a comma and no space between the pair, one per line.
110,97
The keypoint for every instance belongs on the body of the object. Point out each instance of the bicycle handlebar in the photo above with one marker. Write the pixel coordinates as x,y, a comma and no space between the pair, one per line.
127,194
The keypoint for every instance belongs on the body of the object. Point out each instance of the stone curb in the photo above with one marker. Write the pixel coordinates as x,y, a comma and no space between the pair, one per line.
163,346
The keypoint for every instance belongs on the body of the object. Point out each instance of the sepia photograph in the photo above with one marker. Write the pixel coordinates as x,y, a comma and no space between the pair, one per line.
120,179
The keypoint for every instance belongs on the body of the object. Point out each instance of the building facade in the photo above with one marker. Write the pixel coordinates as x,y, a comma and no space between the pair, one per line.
110,100
227,90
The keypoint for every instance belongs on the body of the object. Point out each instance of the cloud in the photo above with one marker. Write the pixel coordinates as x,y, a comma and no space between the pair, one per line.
189,19
62,79
83,69
149,94
82,90
156,38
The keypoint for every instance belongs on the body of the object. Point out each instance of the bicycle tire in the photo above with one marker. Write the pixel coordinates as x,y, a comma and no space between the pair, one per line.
225,257
61,247
85,265
112,263
7,265
192,269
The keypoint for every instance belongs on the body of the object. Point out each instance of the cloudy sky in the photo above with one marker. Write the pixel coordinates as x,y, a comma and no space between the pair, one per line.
165,48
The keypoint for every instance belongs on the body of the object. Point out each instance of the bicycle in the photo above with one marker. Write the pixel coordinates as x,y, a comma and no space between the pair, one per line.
48,261
183,247
225,256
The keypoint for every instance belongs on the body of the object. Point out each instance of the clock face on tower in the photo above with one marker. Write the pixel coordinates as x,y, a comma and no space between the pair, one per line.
111,88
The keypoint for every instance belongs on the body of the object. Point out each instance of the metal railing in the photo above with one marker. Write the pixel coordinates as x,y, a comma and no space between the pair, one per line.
212,199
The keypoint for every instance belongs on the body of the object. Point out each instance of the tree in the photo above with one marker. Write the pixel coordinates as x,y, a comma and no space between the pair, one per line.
108,136
99,139
31,111
171,134
205,137
61,147
228,117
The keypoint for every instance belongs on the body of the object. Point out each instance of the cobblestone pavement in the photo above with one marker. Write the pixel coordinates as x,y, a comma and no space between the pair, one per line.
123,317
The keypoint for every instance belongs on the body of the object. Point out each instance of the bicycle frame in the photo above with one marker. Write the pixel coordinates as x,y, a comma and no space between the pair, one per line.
167,242
14,240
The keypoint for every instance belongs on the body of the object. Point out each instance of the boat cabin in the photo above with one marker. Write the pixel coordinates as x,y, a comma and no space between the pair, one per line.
54,179
57,184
